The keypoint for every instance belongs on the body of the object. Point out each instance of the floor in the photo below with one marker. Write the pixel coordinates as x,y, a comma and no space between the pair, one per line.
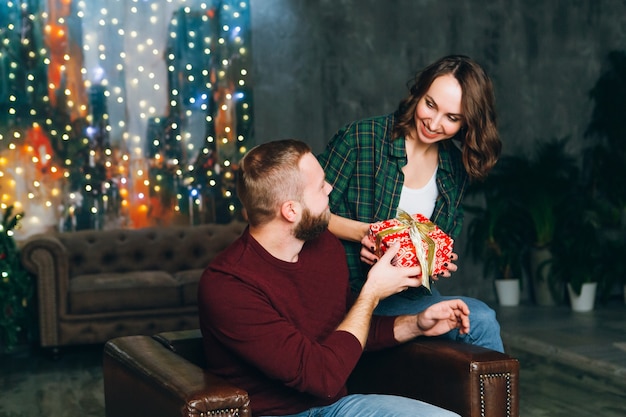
572,365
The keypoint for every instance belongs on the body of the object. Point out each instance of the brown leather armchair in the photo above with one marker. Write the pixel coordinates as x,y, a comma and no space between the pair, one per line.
163,375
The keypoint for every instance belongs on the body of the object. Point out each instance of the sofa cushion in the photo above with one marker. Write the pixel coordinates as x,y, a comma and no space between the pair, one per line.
99,293
189,285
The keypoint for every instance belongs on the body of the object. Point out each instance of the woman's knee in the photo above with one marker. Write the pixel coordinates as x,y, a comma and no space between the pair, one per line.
479,310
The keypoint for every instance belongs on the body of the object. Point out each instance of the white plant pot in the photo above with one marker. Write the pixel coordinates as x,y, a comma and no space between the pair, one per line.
508,292
586,300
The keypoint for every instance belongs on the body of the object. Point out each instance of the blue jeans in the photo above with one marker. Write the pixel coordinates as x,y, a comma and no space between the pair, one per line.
374,405
484,328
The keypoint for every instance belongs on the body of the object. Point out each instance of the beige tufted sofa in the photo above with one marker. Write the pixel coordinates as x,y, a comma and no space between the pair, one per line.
94,285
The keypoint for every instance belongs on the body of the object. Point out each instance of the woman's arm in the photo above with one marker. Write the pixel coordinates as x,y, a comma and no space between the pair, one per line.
354,231
347,229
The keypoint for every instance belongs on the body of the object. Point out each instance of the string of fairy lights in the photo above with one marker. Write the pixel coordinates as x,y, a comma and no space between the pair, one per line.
123,112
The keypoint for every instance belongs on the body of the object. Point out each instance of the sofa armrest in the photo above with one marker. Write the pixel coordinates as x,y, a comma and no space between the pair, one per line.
469,380
160,376
144,378
46,258
185,343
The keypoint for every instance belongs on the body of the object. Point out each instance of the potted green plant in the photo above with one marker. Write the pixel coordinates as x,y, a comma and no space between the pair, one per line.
496,231
579,255
592,237
549,178
606,163
531,191
533,208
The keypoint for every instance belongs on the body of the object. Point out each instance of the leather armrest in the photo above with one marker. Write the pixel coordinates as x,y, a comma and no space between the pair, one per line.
144,378
159,376
186,343
45,257
469,380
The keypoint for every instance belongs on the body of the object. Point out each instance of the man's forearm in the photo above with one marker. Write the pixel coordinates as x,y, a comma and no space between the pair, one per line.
359,318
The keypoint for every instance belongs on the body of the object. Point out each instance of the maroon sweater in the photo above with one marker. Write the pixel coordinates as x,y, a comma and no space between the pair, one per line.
269,325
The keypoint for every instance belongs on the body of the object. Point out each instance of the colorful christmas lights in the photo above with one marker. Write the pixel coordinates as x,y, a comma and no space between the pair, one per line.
122,113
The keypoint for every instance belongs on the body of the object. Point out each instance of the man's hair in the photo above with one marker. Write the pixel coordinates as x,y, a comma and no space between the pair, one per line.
269,175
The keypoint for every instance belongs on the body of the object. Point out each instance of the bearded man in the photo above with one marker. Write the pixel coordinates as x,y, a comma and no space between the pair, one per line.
275,308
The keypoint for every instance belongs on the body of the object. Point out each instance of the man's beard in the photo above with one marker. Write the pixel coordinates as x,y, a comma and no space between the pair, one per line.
311,226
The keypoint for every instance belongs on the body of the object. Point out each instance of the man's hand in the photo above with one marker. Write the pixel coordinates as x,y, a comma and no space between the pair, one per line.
383,280
436,320
386,279
444,316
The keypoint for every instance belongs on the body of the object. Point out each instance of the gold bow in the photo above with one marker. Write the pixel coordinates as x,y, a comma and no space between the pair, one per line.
418,232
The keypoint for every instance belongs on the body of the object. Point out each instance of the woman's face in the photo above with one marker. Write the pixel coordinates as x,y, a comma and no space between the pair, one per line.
438,114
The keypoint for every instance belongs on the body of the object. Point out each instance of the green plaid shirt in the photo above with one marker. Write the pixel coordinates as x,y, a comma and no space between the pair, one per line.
364,166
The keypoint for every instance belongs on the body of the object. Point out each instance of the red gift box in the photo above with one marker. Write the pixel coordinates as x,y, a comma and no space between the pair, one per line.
434,250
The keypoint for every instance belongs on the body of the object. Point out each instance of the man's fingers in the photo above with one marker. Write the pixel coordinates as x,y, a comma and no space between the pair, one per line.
391,252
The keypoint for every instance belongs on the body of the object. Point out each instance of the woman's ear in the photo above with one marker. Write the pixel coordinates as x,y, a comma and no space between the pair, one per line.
290,210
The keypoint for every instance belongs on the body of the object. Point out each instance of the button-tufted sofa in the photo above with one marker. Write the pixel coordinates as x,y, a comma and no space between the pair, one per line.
95,285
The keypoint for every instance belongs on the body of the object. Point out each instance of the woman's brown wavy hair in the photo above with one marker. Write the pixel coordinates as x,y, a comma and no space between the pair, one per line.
479,139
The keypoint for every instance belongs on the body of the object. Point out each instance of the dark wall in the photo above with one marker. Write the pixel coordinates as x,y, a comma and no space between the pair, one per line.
318,64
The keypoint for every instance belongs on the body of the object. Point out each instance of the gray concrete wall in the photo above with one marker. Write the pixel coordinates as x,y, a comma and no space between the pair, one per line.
318,64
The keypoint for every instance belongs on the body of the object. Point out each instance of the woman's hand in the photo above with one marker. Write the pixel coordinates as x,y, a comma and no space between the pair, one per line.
368,246
451,267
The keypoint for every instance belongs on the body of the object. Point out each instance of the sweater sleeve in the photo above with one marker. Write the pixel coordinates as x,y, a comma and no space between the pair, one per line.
381,333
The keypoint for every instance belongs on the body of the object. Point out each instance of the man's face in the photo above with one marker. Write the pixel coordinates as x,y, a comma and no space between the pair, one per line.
315,211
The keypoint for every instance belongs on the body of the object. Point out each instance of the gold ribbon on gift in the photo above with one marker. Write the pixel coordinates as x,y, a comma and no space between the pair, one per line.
418,232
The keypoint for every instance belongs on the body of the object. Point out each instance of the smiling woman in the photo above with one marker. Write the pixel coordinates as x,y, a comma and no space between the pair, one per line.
441,136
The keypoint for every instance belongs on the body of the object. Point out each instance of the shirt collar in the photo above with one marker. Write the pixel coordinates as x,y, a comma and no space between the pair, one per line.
445,156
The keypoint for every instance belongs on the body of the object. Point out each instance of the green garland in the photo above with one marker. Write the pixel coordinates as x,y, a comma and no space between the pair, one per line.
16,289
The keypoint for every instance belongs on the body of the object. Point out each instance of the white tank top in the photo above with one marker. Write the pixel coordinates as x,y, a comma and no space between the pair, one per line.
421,200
